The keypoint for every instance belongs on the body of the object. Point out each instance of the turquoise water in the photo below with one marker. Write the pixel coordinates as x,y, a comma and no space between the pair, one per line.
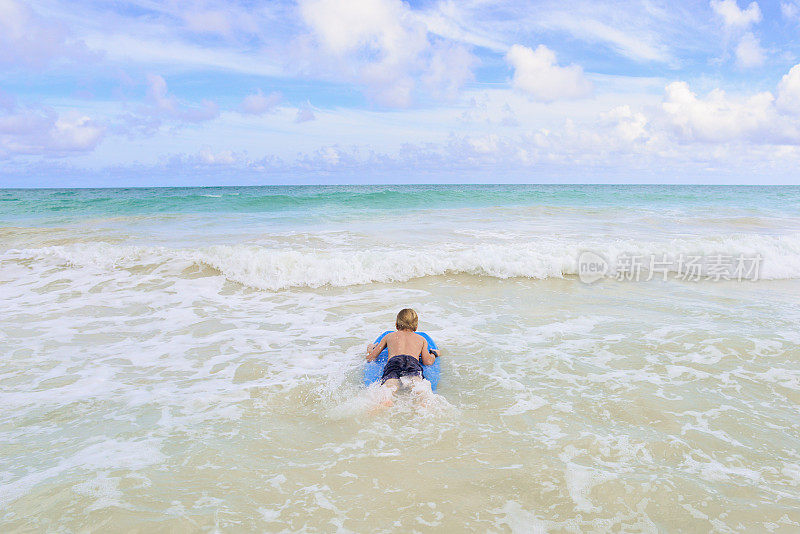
231,215
190,359
19,204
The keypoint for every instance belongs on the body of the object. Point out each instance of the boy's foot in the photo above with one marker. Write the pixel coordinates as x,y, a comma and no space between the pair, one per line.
380,406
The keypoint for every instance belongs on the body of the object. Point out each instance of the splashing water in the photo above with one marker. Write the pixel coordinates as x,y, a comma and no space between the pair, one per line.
190,359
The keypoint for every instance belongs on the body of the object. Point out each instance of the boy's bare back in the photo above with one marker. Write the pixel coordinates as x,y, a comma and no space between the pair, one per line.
405,342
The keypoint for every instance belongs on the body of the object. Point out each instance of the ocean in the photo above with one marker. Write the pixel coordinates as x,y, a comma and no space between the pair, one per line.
614,359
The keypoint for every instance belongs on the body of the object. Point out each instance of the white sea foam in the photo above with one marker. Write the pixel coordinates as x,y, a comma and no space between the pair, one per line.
520,520
133,370
273,268
110,454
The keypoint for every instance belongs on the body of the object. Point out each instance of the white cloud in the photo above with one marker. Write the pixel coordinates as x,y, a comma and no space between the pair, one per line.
258,103
749,52
46,132
675,128
167,105
449,69
733,16
177,55
715,118
75,132
789,92
26,39
629,135
449,20
628,126
630,42
161,107
537,73
157,91
225,18
223,157
641,31
208,21
346,26
718,118
790,10
379,38
305,113
384,45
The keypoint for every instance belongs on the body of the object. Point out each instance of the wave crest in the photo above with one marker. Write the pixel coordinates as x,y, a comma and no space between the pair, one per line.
271,268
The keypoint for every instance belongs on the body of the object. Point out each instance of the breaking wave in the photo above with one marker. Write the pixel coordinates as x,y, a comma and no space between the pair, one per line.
272,268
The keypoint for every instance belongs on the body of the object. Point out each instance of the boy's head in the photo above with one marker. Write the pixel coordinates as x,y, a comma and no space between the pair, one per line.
407,320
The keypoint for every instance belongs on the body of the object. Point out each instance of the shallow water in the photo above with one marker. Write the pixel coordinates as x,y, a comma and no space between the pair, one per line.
173,364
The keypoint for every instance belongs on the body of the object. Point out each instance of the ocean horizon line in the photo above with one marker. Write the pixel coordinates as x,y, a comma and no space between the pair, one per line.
387,184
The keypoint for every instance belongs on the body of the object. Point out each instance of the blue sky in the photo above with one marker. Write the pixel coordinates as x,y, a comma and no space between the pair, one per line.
349,91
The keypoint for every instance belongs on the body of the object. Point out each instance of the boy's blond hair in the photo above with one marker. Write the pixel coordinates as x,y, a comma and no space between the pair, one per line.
407,319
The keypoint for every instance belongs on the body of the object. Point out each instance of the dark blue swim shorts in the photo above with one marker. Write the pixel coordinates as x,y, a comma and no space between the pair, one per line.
401,365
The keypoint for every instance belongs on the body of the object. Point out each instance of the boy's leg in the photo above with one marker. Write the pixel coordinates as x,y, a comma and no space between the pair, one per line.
389,388
419,383
392,384
422,391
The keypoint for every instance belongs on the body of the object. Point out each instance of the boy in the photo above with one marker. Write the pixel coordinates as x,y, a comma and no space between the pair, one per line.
406,348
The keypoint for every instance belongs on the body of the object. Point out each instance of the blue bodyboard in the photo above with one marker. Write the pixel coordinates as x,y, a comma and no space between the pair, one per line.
374,370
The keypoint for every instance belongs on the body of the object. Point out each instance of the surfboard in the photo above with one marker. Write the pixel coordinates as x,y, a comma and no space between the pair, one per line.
374,370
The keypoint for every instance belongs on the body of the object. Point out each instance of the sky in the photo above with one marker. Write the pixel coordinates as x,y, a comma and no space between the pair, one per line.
148,93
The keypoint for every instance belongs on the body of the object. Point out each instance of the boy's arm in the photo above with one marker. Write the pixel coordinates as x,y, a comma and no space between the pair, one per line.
427,356
376,350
